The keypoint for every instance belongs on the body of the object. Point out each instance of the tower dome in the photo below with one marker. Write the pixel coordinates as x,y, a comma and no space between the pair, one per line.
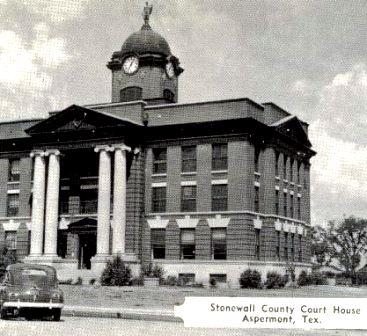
146,41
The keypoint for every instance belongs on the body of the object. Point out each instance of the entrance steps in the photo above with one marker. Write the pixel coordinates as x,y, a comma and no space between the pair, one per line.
73,276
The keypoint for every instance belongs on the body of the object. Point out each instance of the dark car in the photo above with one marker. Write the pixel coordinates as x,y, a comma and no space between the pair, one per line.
30,291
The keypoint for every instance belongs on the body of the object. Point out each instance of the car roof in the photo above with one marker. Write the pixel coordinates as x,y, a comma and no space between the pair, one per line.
21,266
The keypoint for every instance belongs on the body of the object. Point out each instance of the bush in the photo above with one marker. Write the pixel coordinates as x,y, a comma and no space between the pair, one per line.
275,280
138,281
314,278
303,279
250,279
7,257
155,271
92,281
213,283
171,280
116,273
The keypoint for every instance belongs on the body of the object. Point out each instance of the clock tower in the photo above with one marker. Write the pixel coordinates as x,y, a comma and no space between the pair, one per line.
144,68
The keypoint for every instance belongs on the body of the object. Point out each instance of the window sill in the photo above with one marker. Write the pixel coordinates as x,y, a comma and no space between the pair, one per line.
159,175
224,171
188,173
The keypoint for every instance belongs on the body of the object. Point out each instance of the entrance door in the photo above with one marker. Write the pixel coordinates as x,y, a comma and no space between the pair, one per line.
87,249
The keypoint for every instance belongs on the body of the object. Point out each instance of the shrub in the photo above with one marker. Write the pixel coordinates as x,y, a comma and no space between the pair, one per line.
92,281
7,257
316,278
250,279
116,273
171,280
66,282
303,279
155,271
213,283
274,280
138,281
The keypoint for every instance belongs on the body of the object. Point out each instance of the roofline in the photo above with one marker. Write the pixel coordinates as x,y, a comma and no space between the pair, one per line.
277,107
135,102
20,121
154,107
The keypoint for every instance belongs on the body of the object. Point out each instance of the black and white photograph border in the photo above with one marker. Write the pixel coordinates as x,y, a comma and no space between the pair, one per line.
157,150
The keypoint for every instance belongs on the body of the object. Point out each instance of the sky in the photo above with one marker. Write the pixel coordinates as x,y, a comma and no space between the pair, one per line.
309,57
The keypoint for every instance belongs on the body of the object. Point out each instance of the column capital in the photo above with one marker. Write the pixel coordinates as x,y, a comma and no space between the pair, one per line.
101,148
122,147
52,152
37,152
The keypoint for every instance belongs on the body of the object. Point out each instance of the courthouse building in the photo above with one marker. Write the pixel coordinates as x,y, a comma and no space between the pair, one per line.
206,190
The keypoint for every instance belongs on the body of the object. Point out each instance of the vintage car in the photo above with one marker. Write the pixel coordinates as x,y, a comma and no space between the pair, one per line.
30,291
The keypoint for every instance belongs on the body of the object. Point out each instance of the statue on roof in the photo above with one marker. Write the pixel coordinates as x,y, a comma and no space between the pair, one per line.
147,11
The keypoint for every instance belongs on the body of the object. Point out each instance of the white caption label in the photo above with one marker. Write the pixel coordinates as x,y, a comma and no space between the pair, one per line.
282,313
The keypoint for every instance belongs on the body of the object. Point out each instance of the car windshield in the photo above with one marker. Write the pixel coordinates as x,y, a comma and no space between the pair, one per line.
31,277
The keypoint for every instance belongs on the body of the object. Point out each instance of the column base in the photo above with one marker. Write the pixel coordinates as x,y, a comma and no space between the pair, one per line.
43,259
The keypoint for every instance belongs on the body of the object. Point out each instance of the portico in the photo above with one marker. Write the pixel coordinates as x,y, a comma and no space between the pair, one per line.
60,169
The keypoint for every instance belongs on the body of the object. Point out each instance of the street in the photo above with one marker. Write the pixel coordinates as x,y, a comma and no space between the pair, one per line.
111,327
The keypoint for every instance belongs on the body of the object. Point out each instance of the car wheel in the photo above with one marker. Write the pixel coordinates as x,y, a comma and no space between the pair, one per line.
56,314
3,314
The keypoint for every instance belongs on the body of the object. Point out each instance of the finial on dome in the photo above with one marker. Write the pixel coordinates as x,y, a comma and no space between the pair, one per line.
147,11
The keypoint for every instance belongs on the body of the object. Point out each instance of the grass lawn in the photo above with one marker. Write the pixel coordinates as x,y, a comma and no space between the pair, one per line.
167,297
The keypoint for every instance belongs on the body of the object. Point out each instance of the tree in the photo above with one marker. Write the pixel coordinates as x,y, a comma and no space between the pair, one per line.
344,242
7,257
116,273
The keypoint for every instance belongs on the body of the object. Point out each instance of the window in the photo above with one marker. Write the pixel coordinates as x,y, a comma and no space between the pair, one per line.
291,209
291,169
256,200
158,243
187,243
159,160
13,205
300,248
277,202
14,170
285,167
292,246
188,198
256,158
299,207
131,93
286,246
285,204
188,159
219,157
218,278
168,95
299,172
277,247
158,199
257,244
11,240
219,197
276,163
219,243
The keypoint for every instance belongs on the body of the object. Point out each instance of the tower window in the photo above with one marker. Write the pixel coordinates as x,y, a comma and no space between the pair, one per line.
159,199
188,159
220,156
131,93
188,198
219,197
168,95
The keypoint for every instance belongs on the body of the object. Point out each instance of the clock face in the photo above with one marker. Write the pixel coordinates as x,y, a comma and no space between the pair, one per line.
131,65
170,70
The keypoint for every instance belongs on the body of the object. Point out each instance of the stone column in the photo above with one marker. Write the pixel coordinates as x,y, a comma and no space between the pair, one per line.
38,203
52,203
119,199
104,201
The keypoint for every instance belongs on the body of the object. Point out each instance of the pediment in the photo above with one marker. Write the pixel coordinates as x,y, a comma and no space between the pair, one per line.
292,128
76,118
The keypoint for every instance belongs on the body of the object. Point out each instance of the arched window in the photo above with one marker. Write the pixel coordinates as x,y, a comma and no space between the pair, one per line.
168,95
131,93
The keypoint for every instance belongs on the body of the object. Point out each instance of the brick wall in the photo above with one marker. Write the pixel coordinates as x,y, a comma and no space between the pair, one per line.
204,177
4,168
146,245
268,181
203,241
172,241
2,237
173,179
25,186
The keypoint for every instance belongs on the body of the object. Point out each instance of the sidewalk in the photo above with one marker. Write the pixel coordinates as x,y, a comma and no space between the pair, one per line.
122,313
